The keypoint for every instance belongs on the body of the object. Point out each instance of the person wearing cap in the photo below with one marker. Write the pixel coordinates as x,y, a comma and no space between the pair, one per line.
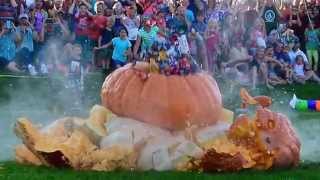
25,35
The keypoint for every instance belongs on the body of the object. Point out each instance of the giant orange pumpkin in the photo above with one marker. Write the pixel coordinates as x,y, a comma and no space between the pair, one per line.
172,102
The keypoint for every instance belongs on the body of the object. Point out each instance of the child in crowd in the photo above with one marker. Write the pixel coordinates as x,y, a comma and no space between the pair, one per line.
295,51
98,23
273,38
199,25
198,49
38,19
258,34
189,15
177,23
238,31
303,72
275,68
238,51
69,61
122,49
288,37
313,45
118,17
159,19
236,68
83,19
146,37
132,23
258,68
212,38
104,55
74,67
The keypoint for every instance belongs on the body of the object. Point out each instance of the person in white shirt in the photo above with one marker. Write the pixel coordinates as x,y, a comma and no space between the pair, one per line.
295,51
132,23
302,72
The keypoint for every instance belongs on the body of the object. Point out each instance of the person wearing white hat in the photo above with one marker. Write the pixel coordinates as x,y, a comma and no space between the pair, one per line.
24,16
25,36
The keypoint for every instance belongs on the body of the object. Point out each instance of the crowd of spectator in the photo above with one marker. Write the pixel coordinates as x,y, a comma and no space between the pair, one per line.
248,41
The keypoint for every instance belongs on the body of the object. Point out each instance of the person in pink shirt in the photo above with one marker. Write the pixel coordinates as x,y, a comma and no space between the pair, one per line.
212,38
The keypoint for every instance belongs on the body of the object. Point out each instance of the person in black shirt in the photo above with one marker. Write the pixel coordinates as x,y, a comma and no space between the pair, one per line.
271,16
103,56
315,16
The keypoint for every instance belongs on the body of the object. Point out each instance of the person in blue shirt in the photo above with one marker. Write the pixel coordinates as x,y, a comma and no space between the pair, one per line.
283,57
199,25
188,13
7,47
177,23
121,49
280,54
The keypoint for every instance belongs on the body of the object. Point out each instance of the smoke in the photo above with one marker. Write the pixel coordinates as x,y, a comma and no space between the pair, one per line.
24,98
45,99
42,100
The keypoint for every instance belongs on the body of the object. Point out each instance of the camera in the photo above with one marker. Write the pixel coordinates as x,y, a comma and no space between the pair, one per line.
8,25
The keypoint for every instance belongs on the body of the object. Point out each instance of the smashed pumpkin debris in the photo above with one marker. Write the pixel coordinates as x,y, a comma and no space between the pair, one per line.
106,142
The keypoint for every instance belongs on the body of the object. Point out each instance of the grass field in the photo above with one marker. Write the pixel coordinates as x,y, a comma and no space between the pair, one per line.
45,99
11,170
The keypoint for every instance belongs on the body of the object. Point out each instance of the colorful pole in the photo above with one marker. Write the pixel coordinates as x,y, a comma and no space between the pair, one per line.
304,105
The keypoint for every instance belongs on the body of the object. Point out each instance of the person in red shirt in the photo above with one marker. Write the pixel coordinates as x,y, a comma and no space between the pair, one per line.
83,20
99,22
286,11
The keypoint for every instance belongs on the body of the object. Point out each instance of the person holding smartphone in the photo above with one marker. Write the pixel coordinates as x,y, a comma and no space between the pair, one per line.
298,22
25,35
7,47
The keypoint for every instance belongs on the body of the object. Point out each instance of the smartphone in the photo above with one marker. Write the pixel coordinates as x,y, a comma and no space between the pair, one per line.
49,21
8,24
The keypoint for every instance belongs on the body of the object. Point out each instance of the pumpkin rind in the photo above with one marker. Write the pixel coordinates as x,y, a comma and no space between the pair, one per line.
172,102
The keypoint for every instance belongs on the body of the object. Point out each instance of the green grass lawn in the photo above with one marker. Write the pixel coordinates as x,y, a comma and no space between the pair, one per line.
45,99
11,170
